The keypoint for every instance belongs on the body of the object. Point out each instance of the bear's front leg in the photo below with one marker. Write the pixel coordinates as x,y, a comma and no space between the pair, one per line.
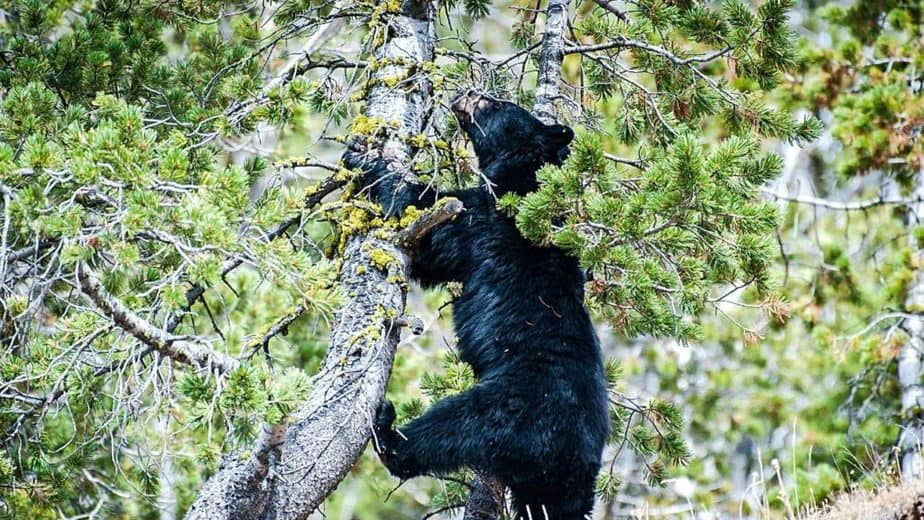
368,160
387,181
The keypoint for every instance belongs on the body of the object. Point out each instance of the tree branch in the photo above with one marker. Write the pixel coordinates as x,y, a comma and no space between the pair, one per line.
484,501
183,352
606,5
857,205
621,42
443,211
550,58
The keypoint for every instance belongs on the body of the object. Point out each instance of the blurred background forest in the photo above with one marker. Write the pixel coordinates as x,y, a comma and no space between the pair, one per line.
143,144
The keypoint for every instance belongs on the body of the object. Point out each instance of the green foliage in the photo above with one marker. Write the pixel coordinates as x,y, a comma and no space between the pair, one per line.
122,131
109,115
657,241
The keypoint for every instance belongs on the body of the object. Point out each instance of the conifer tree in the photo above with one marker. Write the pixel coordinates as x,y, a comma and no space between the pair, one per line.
171,344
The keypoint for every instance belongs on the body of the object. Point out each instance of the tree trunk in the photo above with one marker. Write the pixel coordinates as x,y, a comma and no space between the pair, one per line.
911,356
292,470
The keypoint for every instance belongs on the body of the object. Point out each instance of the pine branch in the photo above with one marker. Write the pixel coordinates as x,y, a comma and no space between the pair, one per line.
180,351
297,65
325,188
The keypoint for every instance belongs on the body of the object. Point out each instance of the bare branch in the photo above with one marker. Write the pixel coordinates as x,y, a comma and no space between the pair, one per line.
180,351
26,252
443,211
857,205
635,163
621,42
608,6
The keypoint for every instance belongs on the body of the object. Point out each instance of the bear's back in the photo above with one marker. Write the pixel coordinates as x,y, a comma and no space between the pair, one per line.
518,299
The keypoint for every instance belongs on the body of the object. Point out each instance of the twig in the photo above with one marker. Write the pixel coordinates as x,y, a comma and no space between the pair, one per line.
612,9
180,351
280,327
857,205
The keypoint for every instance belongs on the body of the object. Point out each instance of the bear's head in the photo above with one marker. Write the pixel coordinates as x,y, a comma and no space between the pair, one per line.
503,131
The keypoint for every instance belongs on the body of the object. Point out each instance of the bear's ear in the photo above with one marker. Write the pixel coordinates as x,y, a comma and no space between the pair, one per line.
558,135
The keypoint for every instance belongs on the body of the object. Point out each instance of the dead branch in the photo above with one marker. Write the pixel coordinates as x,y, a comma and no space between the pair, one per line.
180,351
445,210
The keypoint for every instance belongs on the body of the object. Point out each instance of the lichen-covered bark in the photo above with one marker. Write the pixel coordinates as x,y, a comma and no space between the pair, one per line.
331,428
288,480
911,359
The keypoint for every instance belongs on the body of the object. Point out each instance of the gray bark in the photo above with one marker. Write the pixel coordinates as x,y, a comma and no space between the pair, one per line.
484,502
911,359
550,57
289,474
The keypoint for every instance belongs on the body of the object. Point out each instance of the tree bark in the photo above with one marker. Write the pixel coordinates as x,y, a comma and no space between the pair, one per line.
551,55
484,502
291,471
911,356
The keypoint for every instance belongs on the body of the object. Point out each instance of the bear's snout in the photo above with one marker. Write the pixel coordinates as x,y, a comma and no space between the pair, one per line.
469,103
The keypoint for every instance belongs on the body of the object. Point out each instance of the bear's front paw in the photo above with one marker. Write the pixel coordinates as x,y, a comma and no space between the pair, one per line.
359,155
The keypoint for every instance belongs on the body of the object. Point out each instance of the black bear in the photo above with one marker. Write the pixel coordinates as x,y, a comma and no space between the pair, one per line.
538,417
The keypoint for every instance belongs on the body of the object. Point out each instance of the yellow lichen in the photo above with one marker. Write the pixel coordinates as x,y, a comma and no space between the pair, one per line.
396,279
382,259
392,81
365,125
411,214
418,140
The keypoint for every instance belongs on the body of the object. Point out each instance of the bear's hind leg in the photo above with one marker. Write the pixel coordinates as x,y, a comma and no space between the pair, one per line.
455,432
569,502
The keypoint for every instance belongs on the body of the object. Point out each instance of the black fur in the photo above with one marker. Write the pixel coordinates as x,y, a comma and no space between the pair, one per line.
537,418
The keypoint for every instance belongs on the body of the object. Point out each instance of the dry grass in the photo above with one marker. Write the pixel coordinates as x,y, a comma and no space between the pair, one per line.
899,502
